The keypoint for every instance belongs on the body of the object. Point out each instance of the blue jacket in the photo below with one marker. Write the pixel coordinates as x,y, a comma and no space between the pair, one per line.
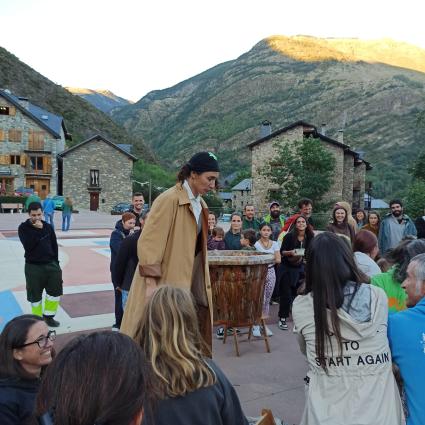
406,335
48,206
385,229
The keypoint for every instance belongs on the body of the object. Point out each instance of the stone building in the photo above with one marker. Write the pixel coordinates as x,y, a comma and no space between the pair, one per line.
350,168
242,194
97,174
30,139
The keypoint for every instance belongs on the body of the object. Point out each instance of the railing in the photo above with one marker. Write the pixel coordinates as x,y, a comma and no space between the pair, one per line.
45,170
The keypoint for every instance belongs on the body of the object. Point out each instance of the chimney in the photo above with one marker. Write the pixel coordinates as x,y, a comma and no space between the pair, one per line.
265,129
24,101
341,136
323,130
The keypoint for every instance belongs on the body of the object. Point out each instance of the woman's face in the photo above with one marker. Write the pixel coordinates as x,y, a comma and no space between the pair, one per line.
340,215
204,182
360,215
300,224
129,224
236,224
373,219
265,232
32,357
211,221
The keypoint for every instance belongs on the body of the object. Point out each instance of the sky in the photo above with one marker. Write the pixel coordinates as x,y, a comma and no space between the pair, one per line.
132,47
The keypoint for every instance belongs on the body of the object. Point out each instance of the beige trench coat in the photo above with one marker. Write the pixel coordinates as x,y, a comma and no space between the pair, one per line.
166,251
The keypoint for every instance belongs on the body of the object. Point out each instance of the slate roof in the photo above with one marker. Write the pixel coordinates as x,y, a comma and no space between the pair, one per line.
47,120
225,196
376,204
245,184
98,137
315,133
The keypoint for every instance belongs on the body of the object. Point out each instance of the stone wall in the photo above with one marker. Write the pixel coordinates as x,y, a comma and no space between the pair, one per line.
359,183
115,169
240,199
262,153
22,122
348,175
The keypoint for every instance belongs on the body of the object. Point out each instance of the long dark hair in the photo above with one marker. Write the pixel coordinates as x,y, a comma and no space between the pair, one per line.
95,379
13,336
293,232
329,267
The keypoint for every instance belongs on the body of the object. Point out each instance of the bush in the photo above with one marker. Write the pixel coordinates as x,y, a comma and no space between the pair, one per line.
12,199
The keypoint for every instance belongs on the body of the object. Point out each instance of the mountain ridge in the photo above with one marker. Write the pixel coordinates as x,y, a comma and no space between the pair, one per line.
380,106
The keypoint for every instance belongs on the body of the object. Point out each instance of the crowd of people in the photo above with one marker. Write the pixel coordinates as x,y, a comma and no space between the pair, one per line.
355,293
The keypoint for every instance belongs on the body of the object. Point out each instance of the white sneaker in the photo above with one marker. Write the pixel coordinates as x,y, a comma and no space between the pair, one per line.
256,331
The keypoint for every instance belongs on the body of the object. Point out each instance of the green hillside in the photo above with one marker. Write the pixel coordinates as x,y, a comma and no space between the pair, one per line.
375,90
81,118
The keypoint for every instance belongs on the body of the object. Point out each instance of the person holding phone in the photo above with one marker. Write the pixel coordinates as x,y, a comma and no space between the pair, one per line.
291,270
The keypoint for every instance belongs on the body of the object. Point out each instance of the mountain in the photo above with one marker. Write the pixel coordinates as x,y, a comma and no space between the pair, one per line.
104,100
82,120
374,90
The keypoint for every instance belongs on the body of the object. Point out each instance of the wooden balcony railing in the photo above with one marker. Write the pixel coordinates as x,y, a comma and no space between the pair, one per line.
36,145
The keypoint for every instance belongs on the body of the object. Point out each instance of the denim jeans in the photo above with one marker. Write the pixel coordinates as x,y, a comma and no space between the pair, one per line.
124,297
66,219
48,217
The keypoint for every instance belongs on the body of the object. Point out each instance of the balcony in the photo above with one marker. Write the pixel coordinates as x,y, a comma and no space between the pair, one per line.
43,171
36,145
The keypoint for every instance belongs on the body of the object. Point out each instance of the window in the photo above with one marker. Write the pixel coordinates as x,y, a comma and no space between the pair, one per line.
36,163
15,159
4,110
15,135
36,140
94,178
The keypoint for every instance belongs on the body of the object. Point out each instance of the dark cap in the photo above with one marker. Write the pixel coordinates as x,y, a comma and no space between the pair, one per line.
202,162
273,203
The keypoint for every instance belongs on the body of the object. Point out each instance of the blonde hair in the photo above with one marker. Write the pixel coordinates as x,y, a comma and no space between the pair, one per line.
169,336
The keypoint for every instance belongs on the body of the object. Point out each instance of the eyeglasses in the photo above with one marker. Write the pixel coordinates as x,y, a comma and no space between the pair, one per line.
42,341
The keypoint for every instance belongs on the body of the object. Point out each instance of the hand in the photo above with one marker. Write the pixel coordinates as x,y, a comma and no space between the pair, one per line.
38,224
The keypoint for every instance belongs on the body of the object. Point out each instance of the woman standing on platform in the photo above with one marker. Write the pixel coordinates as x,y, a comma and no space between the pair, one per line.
172,248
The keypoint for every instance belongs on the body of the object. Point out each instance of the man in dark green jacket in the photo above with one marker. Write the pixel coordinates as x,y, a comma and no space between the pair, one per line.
249,221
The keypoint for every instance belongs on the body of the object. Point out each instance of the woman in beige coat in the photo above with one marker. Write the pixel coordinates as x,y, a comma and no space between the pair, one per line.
172,248
342,329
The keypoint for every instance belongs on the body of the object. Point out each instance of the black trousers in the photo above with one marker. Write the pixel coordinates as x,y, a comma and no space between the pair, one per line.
119,312
288,283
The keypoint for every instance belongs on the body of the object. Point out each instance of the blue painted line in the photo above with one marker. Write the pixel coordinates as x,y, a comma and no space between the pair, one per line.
101,243
9,308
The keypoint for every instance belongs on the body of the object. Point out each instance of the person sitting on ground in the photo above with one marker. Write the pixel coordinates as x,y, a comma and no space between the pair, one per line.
216,241
360,218
366,249
187,388
373,223
26,348
406,333
248,240
391,280
232,238
95,379
341,326
340,225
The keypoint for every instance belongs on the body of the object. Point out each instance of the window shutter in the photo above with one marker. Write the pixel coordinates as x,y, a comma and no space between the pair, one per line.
4,159
1,135
12,110
23,160
47,164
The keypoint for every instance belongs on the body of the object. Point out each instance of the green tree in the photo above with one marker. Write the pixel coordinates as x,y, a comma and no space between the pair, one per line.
415,203
417,170
299,170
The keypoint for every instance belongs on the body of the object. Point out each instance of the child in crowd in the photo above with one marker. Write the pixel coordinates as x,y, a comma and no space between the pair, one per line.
248,239
216,241
266,245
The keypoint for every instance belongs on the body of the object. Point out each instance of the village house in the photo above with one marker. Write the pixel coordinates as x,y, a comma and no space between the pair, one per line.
30,139
350,168
96,174
242,194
